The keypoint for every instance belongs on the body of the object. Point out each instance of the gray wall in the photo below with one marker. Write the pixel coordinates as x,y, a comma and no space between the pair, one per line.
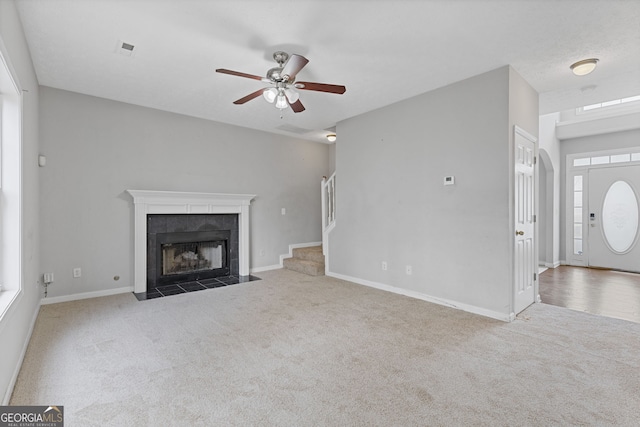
392,205
96,149
332,158
550,153
587,144
543,218
17,322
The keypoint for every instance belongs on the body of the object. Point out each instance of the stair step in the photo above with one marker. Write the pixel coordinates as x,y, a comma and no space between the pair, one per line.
312,268
311,253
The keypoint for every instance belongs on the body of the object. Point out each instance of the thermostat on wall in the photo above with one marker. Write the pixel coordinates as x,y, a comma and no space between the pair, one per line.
449,180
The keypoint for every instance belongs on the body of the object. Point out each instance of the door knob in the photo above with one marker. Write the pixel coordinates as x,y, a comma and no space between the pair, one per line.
519,233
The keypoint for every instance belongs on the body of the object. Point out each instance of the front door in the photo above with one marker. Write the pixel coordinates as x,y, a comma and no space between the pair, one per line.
525,255
613,218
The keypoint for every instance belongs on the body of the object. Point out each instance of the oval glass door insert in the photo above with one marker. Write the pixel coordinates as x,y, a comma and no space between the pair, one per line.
620,217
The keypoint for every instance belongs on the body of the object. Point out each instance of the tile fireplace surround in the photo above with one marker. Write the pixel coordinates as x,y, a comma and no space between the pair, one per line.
148,202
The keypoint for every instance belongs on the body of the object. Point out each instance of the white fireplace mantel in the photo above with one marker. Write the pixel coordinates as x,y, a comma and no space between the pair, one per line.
148,202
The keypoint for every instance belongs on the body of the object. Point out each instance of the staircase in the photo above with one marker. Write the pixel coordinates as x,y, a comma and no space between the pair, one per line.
309,260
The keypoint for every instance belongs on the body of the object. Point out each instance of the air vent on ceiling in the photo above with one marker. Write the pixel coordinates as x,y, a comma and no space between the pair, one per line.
124,48
293,129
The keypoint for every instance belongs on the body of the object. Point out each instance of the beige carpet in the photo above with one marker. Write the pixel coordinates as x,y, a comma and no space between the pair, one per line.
294,350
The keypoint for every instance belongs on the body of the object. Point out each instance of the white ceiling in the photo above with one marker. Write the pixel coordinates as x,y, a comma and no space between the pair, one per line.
383,51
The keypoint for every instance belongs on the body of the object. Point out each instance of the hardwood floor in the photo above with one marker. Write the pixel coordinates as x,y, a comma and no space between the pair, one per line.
604,292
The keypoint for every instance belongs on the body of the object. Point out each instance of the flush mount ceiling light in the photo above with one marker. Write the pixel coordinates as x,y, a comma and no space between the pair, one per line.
331,137
584,67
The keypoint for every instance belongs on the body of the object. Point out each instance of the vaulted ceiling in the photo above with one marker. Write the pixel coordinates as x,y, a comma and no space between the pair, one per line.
383,51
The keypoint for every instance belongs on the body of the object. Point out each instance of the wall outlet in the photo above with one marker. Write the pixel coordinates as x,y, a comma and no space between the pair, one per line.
77,272
283,211
409,270
47,278
384,265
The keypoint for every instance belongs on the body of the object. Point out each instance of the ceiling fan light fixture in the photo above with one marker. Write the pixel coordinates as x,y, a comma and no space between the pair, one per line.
270,94
331,137
292,95
584,67
281,101
283,91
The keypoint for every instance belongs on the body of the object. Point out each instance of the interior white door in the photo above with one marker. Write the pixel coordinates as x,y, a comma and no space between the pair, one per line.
613,218
525,255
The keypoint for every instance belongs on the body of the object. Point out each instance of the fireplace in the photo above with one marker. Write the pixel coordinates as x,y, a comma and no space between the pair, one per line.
152,202
197,255
182,257
183,248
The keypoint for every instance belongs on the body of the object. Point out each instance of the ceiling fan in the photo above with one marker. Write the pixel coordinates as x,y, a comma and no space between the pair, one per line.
284,88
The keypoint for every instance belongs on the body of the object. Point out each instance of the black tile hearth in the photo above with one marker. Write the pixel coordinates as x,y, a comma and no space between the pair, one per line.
192,286
196,285
212,283
148,295
230,280
171,290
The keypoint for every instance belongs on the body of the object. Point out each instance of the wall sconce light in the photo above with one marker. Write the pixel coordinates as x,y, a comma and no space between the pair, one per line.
331,137
584,67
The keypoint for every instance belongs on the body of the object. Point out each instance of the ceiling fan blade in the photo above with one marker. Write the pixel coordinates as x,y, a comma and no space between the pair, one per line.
297,106
238,73
249,97
292,67
321,87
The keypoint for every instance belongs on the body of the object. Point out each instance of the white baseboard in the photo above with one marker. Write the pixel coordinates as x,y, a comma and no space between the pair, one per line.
266,268
505,317
14,377
552,265
294,246
86,295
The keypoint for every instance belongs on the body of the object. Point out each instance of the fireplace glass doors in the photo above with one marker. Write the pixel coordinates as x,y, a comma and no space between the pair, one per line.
187,256
183,258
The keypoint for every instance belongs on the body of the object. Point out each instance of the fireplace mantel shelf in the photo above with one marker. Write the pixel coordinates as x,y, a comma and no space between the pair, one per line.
148,202
181,197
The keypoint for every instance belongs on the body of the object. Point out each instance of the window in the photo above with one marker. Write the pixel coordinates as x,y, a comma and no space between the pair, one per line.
577,214
631,100
1,150
600,160
582,162
621,158
605,160
10,187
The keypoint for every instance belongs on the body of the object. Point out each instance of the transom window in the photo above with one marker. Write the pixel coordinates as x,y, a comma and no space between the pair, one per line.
631,100
605,160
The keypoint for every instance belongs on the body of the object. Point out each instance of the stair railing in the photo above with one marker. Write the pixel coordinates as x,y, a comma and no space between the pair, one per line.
328,194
